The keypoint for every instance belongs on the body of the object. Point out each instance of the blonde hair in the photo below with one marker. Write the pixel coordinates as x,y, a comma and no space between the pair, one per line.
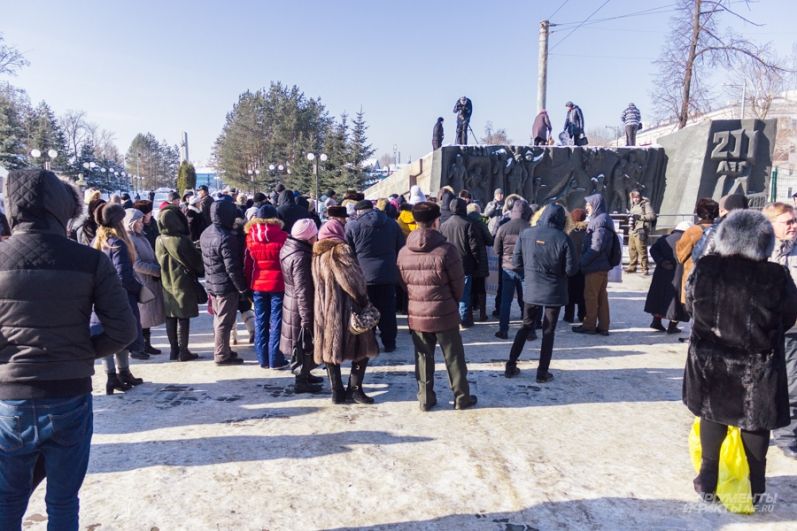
773,210
537,215
91,194
104,234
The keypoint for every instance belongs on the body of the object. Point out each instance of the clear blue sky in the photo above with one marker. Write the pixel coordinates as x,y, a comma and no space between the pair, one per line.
167,66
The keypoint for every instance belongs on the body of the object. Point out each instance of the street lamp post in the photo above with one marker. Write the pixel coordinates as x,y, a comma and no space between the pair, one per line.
254,174
51,153
616,130
323,158
274,170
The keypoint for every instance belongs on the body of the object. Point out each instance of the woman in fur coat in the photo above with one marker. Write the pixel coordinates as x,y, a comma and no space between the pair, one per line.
339,288
735,370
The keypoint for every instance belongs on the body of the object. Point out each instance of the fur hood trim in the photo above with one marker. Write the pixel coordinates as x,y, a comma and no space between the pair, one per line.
745,233
260,221
322,246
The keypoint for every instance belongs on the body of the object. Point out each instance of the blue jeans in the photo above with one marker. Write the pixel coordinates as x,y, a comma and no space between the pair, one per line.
59,431
268,322
465,310
511,282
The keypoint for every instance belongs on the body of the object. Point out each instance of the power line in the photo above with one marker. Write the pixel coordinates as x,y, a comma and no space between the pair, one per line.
558,8
576,28
653,11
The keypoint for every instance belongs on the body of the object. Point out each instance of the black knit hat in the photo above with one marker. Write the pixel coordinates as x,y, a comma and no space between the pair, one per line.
364,205
337,212
425,212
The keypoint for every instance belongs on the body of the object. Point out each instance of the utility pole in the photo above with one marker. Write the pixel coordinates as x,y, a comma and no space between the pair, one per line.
542,65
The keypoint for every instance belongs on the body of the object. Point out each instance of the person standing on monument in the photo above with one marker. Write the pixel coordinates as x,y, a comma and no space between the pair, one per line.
463,108
640,218
541,128
632,119
437,134
574,124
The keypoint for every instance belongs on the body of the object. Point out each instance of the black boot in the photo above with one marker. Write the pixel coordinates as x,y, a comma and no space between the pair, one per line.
336,383
655,324
114,383
303,383
482,298
514,353
672,328
148,348
183,331
355,388
125,376
171,333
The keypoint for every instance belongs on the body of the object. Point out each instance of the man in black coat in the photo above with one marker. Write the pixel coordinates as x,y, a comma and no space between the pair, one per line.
50,286
460,232
205,200
288,211
547,257
376,240
437,134
222,257
511,277
463,108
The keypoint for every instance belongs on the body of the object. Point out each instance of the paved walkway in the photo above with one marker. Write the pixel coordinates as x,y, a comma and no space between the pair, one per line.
603,446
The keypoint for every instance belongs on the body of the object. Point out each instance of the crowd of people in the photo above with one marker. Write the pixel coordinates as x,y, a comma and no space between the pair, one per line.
321,282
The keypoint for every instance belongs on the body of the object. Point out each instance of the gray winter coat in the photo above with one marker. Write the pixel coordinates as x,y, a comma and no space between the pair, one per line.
148,272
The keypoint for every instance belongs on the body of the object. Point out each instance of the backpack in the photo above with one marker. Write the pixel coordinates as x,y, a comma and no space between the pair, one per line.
616,252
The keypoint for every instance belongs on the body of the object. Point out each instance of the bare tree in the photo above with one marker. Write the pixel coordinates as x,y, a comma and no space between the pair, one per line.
385,160
495,136
696,45
11,59
603,136
762,86
73,123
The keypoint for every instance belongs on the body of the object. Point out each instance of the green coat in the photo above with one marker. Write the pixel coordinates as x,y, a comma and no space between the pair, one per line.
179,260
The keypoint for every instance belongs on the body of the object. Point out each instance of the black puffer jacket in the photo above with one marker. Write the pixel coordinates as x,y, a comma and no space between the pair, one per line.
222,254
288,211
376,241
50,285
509,232
296,257
546,255
460,232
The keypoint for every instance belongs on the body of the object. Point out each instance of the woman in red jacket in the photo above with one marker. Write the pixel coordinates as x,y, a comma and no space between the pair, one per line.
264,239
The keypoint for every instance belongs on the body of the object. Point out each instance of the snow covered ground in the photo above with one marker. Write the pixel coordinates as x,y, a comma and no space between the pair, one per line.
603,446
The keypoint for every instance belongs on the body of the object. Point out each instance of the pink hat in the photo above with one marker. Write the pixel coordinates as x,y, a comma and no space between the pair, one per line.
332,229
304,229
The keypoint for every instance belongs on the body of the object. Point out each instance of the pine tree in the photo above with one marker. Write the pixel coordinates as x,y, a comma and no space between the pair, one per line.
13,109
186,177
44,133
359,148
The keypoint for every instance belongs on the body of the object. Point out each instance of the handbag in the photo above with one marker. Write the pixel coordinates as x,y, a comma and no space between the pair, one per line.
145,295
199,290
364,320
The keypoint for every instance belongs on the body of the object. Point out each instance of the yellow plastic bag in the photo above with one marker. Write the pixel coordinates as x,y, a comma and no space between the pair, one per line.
733,484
